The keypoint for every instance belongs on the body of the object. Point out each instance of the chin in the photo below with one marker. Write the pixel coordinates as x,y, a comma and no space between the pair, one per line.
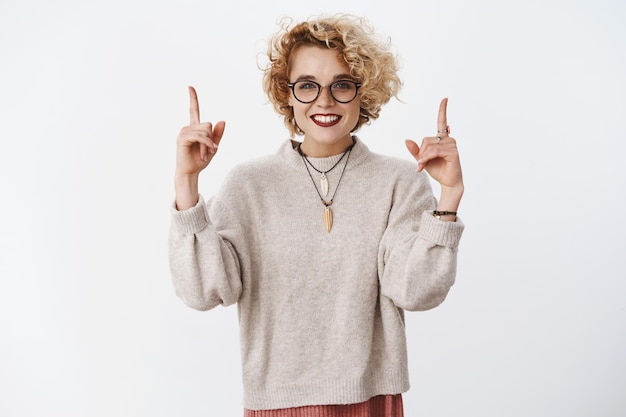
327,135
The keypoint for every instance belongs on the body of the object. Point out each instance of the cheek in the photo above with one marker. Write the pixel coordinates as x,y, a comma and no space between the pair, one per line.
356,110
298,109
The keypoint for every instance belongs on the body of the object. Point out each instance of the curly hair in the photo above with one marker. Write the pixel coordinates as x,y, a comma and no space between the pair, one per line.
368,59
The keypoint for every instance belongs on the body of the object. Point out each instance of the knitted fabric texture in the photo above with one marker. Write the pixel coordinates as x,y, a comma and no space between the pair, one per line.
321,315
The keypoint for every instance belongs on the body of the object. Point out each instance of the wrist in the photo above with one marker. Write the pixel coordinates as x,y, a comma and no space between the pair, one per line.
448,203
450,198
186,188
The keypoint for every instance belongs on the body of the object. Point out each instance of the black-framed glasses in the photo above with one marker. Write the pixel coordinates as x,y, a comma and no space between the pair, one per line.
307,91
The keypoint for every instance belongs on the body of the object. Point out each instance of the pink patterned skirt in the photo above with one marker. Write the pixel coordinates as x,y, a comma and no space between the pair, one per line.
379,406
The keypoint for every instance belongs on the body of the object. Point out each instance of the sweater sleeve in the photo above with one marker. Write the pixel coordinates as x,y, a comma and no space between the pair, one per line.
418,253
203,261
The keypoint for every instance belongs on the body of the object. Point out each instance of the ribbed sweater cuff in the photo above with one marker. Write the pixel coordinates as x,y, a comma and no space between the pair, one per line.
190,221
439,232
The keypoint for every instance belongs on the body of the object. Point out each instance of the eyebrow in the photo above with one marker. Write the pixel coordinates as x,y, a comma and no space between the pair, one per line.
335,78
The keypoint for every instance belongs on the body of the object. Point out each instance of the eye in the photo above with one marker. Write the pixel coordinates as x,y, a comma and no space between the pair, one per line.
343,85
306,85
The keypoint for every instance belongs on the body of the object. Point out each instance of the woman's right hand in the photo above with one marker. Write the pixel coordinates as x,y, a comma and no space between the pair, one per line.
196,145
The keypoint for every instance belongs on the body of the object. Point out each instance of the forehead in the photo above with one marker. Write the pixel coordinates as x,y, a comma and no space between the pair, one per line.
317,62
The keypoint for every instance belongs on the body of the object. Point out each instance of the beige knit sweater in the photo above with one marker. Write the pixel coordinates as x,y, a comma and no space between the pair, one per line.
320,314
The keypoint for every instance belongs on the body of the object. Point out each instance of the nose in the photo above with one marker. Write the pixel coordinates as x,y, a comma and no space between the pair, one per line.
325,98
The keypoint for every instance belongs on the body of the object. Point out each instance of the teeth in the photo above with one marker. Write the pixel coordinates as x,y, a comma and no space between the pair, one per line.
325,119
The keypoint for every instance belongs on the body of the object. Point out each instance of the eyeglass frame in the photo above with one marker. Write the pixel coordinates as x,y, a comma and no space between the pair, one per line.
319,90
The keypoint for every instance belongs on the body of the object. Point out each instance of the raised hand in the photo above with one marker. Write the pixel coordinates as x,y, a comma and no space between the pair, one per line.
196,146
439,156
198,142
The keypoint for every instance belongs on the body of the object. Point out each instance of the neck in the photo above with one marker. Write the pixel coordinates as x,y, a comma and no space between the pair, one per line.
317,150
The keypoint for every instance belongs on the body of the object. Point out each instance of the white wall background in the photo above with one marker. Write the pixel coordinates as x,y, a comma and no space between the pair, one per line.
92,95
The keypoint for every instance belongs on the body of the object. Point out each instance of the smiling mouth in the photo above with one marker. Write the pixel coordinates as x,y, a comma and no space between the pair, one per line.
325,120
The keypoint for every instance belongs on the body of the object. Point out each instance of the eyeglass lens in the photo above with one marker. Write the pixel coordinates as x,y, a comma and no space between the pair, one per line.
342,91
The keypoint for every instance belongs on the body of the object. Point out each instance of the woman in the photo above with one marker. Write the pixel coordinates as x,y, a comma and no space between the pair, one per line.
324,244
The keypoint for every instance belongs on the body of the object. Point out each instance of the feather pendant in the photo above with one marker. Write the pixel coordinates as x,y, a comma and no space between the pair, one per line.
324,185
328,218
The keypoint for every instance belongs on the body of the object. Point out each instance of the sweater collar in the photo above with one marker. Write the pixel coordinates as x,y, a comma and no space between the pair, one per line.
288,152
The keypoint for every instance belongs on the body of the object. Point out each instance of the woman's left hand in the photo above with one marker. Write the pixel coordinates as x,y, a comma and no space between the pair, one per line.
439,154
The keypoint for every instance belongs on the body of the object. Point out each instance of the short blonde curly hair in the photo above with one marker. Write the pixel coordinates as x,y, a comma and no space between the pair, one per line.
368,58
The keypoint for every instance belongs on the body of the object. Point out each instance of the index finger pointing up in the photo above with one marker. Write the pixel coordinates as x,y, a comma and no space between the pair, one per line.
194,107
442,119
